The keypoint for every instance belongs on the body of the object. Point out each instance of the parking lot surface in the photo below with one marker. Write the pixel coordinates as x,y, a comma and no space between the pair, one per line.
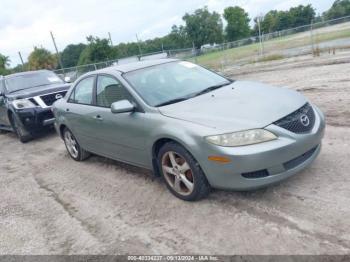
50,204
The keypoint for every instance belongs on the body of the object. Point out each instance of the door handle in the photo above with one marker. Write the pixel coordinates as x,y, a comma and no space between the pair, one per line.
98,117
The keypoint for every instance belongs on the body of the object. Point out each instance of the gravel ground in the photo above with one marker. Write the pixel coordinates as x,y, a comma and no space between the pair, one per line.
50,204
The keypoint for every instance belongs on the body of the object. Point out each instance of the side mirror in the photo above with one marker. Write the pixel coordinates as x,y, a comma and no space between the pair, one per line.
67,79
122,106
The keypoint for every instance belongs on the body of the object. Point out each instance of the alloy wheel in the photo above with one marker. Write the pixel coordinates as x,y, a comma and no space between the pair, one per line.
71,144
178,173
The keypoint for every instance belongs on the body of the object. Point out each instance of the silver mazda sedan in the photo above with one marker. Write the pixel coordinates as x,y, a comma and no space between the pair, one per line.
195,128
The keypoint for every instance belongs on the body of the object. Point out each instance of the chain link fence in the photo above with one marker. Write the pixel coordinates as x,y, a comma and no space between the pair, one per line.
325,36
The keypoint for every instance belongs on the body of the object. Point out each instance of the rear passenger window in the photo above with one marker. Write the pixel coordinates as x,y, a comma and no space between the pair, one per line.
109,90
82,93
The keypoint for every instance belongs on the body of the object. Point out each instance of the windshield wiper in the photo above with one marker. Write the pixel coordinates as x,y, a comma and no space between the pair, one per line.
172,101
211,88
206,90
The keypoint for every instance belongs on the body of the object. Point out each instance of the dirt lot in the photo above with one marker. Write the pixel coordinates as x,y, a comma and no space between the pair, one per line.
50,204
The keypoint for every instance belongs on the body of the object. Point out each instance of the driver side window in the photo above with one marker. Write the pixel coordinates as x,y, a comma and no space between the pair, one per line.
109,90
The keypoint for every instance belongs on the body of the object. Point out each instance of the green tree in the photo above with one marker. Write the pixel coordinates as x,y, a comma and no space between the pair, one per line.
279,20
339,8
301,15
177,38
19,68
4,64
237,23
41,58
70,55
4,61
204,27
97,50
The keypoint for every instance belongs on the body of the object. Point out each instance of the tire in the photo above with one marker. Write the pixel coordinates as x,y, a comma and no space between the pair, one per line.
188,174
22,134
74,149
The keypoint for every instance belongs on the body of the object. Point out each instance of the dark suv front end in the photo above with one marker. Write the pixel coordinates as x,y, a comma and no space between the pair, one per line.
37,117
28,104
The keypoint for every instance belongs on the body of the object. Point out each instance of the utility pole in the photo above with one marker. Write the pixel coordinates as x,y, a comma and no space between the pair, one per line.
110,38
138,43
58,55
20,56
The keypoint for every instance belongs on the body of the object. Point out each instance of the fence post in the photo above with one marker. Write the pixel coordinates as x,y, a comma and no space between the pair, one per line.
260,40
312,39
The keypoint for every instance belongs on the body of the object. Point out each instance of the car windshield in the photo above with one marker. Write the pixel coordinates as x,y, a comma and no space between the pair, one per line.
28,80
173,82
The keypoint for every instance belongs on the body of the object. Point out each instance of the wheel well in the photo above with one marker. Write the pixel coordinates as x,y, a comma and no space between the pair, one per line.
158,144
62,127
155,149
9,115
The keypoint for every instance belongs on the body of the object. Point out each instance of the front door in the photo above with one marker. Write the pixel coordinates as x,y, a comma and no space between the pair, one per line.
122,136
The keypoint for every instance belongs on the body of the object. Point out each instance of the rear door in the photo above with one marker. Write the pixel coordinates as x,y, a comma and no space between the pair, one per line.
80,113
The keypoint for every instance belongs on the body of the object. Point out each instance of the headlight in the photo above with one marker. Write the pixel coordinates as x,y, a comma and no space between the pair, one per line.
242,138
22,103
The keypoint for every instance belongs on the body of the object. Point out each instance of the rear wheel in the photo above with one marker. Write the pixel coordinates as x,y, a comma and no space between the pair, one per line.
181,172
22,134
73,147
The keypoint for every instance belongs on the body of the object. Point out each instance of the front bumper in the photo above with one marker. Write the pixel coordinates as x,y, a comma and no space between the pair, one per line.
34,119
274,160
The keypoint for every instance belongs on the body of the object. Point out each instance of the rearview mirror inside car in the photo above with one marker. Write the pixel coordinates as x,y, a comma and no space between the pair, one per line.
122,106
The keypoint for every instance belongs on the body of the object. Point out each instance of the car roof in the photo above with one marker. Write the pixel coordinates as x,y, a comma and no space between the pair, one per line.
124,68
25,73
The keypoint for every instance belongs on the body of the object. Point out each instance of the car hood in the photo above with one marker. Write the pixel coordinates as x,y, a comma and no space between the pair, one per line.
38,90
240,106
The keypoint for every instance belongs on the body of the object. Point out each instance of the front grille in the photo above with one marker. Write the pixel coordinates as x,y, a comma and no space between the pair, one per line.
33,101
51,98
300,159
300,121
256,174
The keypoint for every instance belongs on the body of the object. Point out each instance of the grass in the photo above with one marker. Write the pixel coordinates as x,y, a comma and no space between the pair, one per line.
271,58
217,59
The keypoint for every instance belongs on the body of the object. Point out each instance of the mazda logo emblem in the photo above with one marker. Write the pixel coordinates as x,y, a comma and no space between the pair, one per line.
58,96
304,119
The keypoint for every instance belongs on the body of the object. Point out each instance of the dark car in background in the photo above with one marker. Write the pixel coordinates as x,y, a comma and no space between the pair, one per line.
26,99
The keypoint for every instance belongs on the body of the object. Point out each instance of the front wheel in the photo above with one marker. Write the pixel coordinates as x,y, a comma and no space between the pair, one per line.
22,134
73,147
181,172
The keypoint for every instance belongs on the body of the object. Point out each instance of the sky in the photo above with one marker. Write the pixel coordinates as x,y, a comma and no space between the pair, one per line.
27,23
